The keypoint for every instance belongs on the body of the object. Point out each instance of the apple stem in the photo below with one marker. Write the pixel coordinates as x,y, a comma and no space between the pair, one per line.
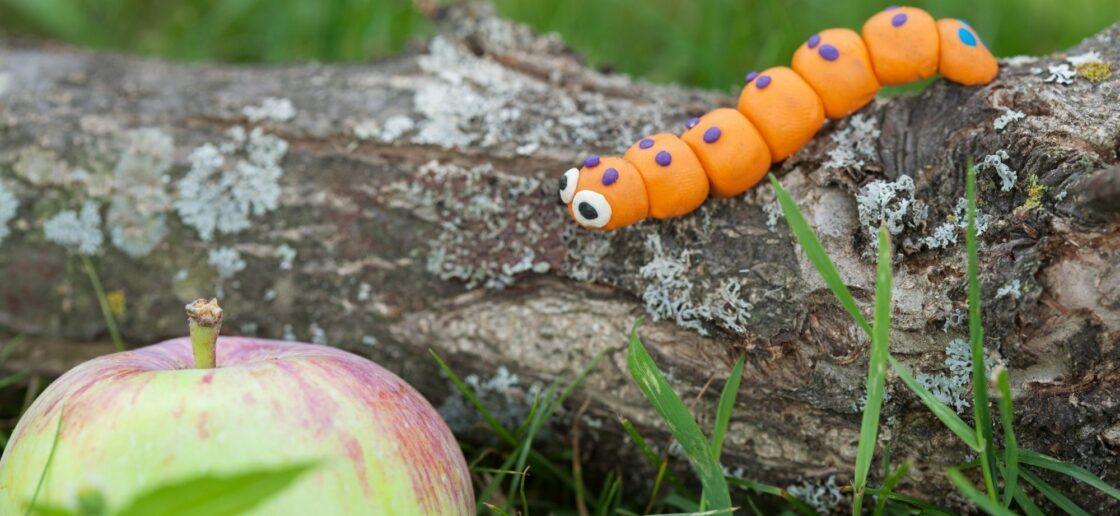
205,318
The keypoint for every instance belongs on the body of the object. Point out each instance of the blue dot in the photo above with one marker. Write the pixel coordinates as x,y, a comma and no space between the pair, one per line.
762,82
898,20
691,123
966,37
645,143
814,40
712,134
610,176
663,158
829,52
591,161
751,76
891,8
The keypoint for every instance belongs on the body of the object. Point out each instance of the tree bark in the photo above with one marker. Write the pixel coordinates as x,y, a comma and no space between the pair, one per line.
417,209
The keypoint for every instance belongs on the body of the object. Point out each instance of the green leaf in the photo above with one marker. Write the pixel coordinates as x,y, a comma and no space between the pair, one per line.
50,459
13,378
1069,470
216,495
980,499
889,484
1011,447
1027,504
949,418
876,372
654,460
1052,494
611,488
817,255
926,508
726,405
681,424
980,409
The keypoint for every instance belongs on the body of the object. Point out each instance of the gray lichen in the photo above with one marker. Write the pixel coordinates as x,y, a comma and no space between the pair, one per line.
271,108
821,494
136,217
995,162
226,261
9,205
503,394
890,204
853,145
79,231
955,388
947,233
229,183
668,292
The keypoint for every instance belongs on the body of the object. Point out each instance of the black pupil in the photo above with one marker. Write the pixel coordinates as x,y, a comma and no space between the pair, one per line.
588,211
563,182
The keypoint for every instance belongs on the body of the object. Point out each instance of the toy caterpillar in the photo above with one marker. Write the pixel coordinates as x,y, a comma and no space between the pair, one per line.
727,151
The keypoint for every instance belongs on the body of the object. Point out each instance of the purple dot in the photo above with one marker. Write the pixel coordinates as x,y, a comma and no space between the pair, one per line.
814,40
829,52
712,134
691,123
664,158
751,76
898,20
891,8
762,82
591,161
645,143
610,176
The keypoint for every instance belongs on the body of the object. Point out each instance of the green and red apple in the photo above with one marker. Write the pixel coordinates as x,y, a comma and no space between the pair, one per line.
137,419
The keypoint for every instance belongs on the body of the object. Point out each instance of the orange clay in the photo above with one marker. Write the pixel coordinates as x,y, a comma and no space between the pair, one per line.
964,58
733,153
622,189
675,180
784,108
903,44
835,63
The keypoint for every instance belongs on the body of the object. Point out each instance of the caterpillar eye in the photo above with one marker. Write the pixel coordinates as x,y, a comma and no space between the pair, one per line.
591,209
568,184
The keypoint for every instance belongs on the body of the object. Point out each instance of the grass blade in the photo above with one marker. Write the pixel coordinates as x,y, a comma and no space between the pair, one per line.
681,423
981,412
876,372
1011,446
657,462
926,508
1069,470
495,425
103,302
726,405
795,502
1047,490
816,254
1025,503
889,484
13,378
526,444
949,418
47,466
980,499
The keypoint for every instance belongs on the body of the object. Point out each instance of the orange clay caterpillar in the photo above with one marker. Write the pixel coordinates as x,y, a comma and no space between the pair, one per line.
727,151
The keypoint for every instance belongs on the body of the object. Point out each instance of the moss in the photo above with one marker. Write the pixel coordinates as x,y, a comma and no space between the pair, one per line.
1095,71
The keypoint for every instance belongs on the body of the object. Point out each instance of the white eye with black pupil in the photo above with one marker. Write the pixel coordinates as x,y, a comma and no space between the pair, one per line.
591,209
568,184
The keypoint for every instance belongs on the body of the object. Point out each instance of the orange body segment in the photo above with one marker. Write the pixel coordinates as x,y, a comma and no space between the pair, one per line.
836,64
784,108
904,45
964,58
674,178
732,151
609,194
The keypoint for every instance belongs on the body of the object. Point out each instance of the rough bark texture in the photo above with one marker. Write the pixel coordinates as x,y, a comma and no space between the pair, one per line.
416,208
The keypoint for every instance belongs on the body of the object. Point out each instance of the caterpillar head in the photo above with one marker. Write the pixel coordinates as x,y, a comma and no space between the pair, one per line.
607,193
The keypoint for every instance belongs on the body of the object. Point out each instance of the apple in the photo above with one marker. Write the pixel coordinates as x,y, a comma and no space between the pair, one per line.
137,419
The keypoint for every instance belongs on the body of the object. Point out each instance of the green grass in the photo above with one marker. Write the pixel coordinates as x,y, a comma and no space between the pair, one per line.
711,43
982,438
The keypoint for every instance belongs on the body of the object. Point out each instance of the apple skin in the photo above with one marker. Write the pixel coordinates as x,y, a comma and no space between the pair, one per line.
137,419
